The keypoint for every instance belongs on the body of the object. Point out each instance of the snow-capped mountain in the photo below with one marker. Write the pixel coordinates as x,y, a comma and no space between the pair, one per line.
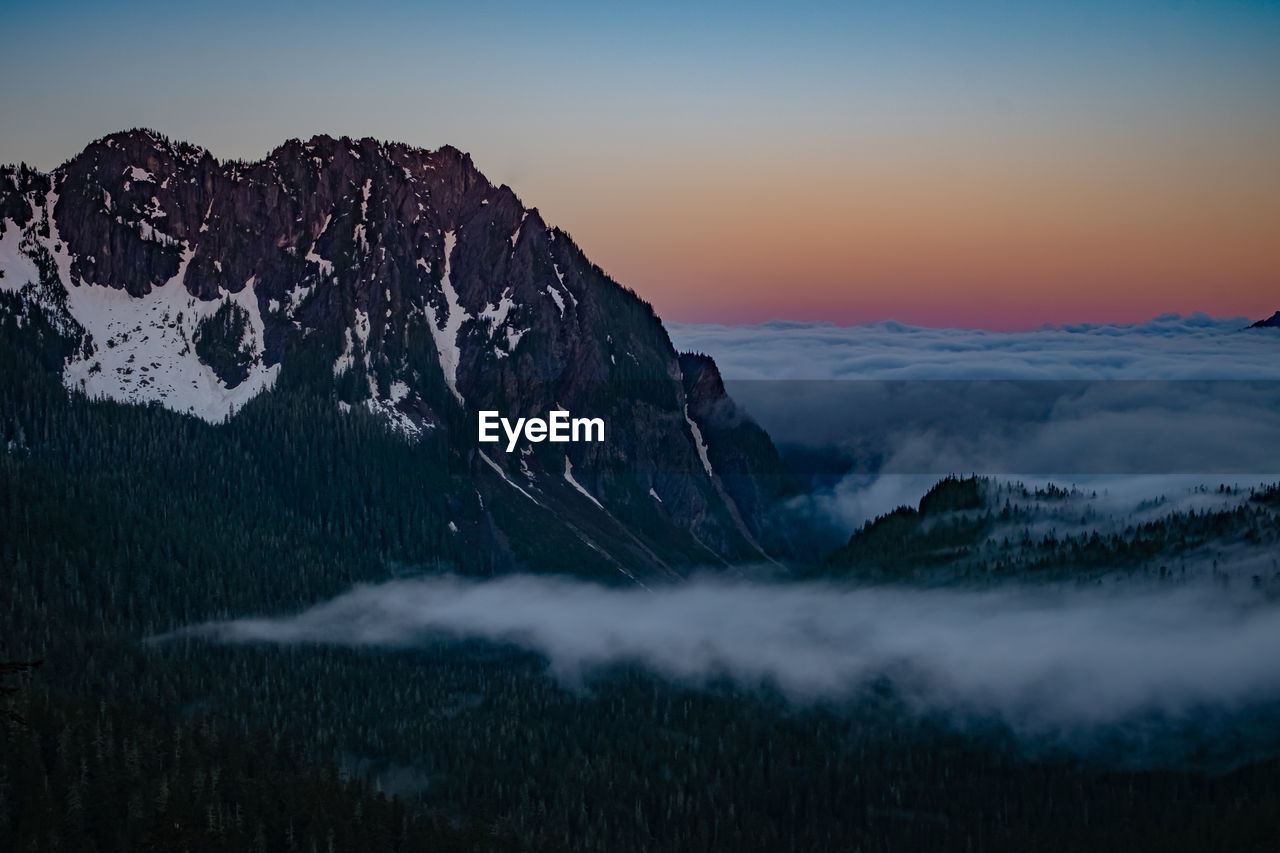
429,293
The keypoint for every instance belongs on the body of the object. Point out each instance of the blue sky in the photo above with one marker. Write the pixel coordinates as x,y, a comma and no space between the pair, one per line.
890,122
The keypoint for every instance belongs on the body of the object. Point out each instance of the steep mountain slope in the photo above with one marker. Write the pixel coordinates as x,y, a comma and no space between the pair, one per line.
427,294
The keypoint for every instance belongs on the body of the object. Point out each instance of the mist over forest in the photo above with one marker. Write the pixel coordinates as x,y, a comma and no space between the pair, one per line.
879,587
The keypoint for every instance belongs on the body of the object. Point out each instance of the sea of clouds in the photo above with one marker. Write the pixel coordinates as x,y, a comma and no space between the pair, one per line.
1144,409
1169,347
1054,664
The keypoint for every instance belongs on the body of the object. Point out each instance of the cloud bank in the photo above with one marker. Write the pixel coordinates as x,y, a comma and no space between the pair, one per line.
1166,348
1062,662
1176,395
1106,406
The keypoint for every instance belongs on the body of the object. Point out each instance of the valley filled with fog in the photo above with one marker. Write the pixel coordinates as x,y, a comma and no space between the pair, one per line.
1112,578
1040,604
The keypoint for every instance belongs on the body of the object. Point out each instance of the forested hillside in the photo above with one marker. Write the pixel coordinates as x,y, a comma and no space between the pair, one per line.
122,522
979,531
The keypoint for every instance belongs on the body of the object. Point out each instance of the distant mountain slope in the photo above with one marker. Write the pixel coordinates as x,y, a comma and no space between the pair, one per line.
402,282
977,531
1271,322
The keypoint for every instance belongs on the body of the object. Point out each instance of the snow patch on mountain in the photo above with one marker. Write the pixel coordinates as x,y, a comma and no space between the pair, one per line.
17,268
389,409
503,474
567,292
57,248
698,442
557,298
496,314
445,329
144,350
568,476
344,361
297,296
326,267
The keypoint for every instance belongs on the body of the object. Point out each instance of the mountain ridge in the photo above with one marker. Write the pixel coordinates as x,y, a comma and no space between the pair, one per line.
1269,323
189,282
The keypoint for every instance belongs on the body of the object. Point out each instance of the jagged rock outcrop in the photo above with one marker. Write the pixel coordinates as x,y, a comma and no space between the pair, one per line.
433,293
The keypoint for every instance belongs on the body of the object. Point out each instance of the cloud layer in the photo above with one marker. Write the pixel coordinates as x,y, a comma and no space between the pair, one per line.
1168,347
1045,662
899,406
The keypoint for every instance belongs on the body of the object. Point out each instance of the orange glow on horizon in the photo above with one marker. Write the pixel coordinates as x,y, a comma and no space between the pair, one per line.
972,238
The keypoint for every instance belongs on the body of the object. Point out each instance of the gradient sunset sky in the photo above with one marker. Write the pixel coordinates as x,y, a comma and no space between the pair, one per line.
997,165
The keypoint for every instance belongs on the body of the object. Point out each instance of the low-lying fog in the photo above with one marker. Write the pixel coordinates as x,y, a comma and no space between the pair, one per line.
1048,662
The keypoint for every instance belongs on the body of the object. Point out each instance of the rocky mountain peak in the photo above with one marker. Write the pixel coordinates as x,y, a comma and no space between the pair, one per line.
428,292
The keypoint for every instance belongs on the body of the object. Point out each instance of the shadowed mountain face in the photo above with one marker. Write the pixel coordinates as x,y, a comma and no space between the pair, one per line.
401,282
1271,322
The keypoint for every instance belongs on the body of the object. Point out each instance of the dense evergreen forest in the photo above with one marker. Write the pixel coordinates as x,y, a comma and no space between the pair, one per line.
119,523
80,775
977,530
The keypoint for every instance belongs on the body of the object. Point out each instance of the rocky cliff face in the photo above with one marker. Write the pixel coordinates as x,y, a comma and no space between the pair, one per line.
431,293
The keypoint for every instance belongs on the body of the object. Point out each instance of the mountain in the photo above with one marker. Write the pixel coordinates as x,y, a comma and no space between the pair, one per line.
1271,322
401,284
978,530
